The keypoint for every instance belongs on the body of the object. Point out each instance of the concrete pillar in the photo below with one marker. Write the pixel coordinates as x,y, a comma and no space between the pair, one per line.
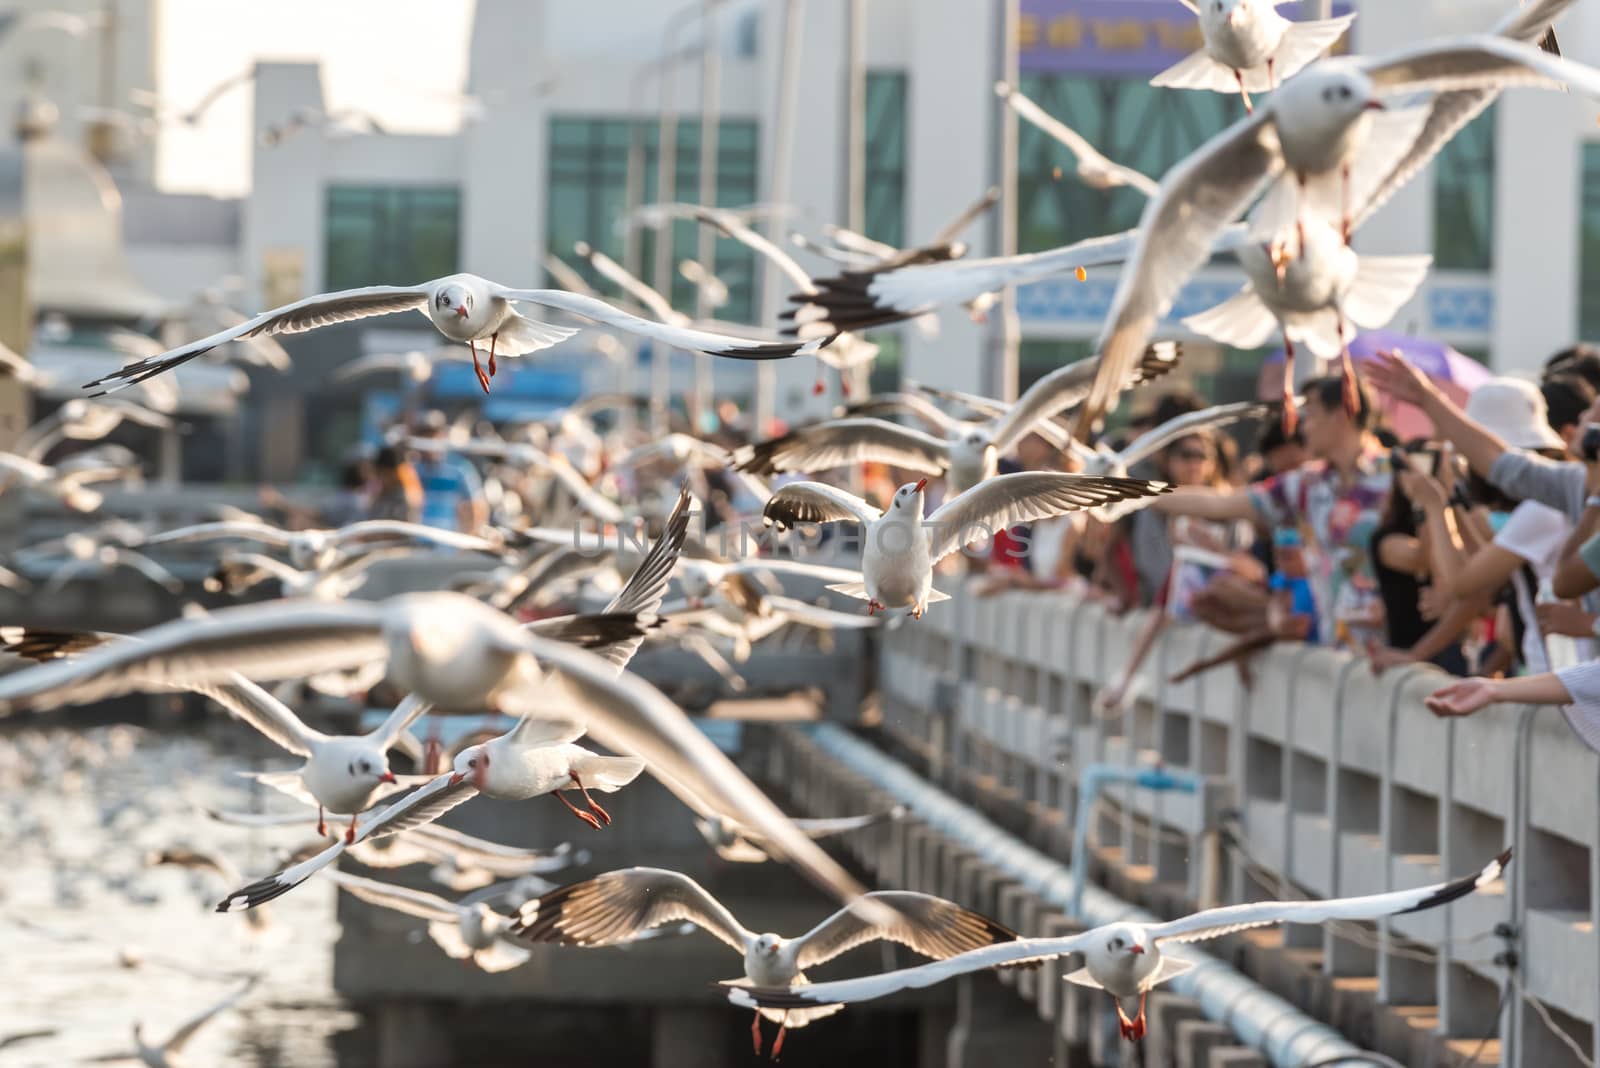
693,1035
1196,1040
933,1038
1165,1012
412,1034
1235,1057
994,1027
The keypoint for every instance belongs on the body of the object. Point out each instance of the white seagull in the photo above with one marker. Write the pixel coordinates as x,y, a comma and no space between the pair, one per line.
469,932
739,845
900,547
67,486
1249,47
1125,959
619,906
464,308
169,1054
320,549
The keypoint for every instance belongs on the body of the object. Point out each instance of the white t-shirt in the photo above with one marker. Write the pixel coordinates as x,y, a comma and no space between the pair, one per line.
1536,532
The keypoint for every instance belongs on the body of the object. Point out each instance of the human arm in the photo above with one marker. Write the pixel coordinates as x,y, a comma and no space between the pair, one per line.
1397,377
1203,502
1467,696
1111,698
1463,610
1575,573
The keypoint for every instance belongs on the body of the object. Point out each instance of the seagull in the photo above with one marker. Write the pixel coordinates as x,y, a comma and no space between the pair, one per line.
196,861
342,123
237,573
342,773
319,549
68,487
900,547
623,713
464,308
741,583
620,905
190,116
1093,169
1125,959
1316,124
1249,47
170,1053
81,419
738,845
209,310
969,453
82,553
534,758
472,932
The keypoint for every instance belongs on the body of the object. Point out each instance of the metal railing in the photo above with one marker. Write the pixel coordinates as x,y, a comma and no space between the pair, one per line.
1318,779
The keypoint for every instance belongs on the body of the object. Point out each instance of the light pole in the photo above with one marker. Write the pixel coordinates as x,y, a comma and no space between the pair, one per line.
778,195
710,123
1007,331
855,175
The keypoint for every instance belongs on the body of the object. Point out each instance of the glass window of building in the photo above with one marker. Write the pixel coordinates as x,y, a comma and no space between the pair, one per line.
390,235
886,157
1463,199
588,193
1589,247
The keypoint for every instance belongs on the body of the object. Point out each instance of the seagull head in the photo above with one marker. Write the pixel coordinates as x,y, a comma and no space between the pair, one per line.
370,769
1124,942
768,945
454,299
909,497
471,763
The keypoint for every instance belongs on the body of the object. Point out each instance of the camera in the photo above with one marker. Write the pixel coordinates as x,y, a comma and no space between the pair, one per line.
1589,442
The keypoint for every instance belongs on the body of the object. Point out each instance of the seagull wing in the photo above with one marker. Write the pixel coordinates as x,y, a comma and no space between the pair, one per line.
914,404
280,639
183,1034
647,295
998,503
629,716
261,532
407,712
397,528
1068,386
828,827
930,925
736,228
810,615
1194,205
621,905
411,902
678,337
1214,923
1085,153
302,315
1001,954
1153,441
814,502
857,300
839,442
646,588
423,806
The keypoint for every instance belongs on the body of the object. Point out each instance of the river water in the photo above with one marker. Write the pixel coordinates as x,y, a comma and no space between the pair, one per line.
80,810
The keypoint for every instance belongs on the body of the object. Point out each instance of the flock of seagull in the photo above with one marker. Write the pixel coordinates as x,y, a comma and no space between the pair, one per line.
1283,189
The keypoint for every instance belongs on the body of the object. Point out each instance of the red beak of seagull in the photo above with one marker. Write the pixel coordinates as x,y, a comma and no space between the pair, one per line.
387,776
456,779
461,311
922,484
1136,950
1375,105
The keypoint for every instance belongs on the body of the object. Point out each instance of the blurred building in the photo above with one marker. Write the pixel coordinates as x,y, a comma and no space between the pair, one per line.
562,111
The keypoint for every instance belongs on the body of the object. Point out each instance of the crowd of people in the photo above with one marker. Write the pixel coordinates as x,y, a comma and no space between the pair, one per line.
1475,550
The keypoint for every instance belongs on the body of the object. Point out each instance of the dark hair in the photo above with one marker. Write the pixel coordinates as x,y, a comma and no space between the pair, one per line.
388,458
1484,492
1582,359
1272,436
1567,396
1386,437
1329,393
354,474
1171,405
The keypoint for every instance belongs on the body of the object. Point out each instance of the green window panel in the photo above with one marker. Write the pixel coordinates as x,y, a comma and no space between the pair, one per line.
390,235
587,195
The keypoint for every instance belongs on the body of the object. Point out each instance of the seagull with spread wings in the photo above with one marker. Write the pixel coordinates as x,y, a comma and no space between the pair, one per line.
1126,959
464,308
465,931
1249,47
620,905
900,547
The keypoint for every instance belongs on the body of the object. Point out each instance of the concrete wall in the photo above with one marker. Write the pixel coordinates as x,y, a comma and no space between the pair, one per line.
1344,783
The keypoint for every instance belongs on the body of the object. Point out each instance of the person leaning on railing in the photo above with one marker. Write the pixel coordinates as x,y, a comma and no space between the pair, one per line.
1338,496
1576,689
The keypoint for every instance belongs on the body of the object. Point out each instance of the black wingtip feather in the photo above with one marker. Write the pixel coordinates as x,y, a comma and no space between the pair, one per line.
257,893
1460,888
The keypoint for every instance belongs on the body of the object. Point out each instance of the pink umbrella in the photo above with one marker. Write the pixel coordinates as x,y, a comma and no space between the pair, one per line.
1456,373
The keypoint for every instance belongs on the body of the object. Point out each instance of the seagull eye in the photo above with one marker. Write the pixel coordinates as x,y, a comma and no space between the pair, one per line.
1344,92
